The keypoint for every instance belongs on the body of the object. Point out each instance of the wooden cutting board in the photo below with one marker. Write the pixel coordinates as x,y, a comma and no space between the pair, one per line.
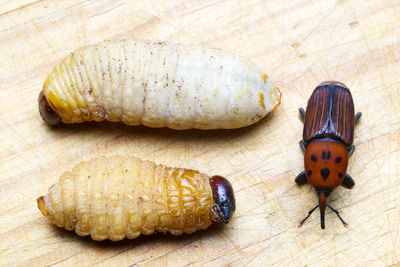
298,43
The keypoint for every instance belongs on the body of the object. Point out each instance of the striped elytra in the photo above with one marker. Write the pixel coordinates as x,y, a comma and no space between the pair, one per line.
116,198
158,85
328,136
330,113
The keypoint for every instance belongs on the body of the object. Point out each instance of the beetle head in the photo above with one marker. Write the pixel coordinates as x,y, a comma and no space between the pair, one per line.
47,113
224,199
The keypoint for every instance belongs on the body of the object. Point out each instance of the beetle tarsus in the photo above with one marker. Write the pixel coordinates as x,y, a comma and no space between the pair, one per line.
302,113
348,182
301,178
357,117
337,213
303,145
308,216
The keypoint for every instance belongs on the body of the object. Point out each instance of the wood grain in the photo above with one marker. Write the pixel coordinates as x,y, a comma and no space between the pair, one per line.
298,43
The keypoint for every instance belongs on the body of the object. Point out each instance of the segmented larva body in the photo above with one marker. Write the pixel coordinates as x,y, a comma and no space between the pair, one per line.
158,85
117,197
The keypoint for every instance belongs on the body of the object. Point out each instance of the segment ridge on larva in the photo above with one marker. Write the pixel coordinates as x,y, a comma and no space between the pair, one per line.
116,198
158,85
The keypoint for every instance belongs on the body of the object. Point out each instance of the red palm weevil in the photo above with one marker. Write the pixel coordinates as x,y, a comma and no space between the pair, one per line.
328,142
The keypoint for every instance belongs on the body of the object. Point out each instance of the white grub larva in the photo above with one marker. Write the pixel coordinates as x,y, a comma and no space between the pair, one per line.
116,198
158,85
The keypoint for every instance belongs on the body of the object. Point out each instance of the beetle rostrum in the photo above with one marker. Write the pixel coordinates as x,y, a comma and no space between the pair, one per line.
328,136
224,199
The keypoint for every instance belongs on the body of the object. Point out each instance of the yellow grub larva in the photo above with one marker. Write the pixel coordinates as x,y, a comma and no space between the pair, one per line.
119,198
157,85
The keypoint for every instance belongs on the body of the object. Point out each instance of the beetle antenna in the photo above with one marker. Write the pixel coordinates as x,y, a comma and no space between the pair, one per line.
308,216
337,213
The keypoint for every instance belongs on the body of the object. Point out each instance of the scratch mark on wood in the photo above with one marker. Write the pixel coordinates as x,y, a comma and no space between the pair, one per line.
240,249
114,255
151,258
57,262
108,10
20,8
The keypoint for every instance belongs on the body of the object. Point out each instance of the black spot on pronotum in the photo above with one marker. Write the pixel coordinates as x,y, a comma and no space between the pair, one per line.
338,159
325,173
309,172
328,155
323,155
340,175
313,158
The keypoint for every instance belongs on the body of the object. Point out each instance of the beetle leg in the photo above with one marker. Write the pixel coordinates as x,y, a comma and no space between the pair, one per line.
303,113
337,213
303,145
357,117
301,178
351,150
308,216
348,182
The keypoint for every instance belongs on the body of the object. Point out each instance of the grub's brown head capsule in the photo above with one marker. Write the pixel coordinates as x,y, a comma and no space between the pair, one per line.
224,199
47,112
116,198
328,142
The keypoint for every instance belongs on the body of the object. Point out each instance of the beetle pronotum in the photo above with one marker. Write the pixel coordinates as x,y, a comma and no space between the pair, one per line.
328,136
157,85
119,197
